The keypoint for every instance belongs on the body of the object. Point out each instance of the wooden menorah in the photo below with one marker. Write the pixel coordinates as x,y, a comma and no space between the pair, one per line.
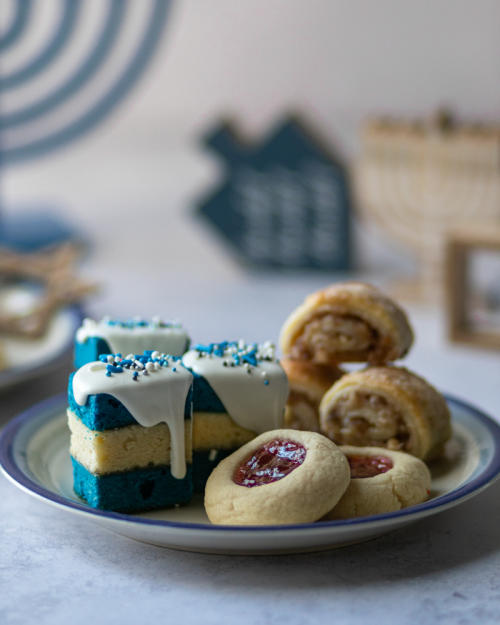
417,180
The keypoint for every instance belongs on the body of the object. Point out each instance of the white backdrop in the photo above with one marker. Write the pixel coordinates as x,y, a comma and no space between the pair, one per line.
134,178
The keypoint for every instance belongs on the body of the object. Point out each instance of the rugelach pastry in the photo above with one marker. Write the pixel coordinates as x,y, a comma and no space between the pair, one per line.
131,336
308,383
347,322
386,407
381,481
130,422
280,477
239,391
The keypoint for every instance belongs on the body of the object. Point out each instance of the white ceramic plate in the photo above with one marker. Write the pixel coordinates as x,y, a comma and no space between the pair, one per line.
34,455
29,358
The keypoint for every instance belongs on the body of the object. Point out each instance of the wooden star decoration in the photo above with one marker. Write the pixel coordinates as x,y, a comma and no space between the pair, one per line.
54,271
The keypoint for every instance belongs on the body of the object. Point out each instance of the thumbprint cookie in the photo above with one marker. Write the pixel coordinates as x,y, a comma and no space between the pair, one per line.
381,481
280,477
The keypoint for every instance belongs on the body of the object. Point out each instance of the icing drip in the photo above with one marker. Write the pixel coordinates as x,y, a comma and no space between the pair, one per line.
153,388
248,380
136,335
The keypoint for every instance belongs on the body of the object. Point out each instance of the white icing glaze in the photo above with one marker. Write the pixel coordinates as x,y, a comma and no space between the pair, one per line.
242,389
171,339
158,397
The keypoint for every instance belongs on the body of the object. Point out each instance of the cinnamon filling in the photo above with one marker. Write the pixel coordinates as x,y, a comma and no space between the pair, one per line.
326,335
366,419
301,412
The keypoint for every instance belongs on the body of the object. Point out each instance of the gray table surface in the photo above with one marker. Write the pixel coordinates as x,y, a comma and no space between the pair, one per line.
55,568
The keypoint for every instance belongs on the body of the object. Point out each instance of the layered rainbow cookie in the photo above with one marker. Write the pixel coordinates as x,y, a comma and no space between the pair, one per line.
131,336
130,422
239,391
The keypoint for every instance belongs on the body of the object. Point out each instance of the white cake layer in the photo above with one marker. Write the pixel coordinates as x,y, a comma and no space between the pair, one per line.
122,449
216,430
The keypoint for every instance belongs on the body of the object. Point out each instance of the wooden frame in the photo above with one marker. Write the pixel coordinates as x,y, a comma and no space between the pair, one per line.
461,243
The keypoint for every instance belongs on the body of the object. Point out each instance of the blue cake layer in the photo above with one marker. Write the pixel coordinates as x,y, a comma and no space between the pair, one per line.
104,412
90,350
203,466
132,491
205,398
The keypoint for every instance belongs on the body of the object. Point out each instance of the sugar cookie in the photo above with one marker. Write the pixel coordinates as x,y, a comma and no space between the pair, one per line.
381,481
282,476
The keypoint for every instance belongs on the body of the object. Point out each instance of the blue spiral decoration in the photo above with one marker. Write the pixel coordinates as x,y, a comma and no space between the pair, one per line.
27,129
53,48
17,26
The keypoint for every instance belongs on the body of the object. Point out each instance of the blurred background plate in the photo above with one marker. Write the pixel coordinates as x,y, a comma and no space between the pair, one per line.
25,359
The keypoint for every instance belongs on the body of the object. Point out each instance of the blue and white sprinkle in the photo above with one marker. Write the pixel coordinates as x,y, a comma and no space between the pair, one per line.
148,362
239,354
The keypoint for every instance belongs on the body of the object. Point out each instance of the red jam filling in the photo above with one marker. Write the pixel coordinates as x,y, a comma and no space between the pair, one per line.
270,463
368,466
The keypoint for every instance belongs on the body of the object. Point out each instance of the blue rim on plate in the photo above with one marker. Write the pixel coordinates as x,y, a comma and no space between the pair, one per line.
18,427
13,375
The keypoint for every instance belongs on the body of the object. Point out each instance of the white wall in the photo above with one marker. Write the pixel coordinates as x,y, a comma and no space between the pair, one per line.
337,61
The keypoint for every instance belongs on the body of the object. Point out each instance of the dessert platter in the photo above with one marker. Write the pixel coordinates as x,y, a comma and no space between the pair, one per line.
223,447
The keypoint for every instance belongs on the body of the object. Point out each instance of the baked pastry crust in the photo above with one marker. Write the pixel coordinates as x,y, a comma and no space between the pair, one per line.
308,382
302,496
406,484
347,322
386,407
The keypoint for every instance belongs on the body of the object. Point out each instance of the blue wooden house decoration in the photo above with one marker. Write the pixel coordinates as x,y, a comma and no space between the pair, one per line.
283,202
